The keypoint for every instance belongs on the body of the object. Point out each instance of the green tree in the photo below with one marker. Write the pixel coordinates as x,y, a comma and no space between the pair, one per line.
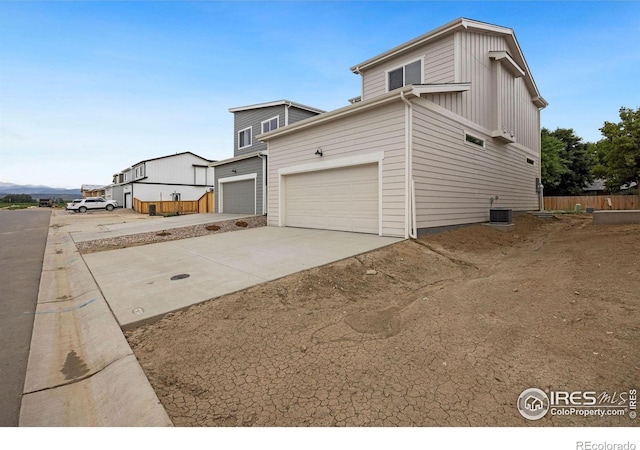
17,198
577,161
618,154
552,166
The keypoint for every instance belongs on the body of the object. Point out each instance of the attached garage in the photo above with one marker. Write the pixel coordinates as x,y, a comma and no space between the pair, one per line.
238,195
343,199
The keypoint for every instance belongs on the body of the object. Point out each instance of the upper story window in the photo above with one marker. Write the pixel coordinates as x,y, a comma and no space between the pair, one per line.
271,124
403,76
244,138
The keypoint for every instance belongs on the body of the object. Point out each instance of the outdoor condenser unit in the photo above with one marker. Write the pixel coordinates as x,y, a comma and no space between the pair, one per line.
500,215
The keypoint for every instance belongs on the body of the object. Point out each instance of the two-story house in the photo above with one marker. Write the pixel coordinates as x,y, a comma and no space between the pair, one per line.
240,182
445,123
183,176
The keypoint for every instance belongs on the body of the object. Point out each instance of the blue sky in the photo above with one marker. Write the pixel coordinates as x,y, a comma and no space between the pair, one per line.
89,88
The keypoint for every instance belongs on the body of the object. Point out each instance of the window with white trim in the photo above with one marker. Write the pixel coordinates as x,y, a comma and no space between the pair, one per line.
271,124
244,138
403,76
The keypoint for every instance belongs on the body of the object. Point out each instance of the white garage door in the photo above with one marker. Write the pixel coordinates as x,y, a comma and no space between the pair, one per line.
344,199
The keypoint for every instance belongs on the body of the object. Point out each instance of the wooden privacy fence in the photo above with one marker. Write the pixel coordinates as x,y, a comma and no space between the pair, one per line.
597,202
202,205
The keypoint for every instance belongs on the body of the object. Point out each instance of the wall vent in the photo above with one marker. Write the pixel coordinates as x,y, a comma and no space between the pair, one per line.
500,215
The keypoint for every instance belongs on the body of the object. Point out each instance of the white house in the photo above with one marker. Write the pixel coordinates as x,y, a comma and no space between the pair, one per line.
183,176
444,124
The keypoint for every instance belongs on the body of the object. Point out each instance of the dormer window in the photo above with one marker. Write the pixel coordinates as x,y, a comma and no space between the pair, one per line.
244,138
271,124
403,76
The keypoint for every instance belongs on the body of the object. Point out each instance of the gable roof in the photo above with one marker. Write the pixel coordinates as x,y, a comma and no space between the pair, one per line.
453,27
163,157
171,156
276,103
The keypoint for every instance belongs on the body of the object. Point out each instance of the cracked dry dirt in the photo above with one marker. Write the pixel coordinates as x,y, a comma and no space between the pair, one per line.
448,332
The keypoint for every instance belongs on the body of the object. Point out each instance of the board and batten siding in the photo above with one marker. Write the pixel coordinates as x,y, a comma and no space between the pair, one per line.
378,130
454,179
439,67
242,167
490,84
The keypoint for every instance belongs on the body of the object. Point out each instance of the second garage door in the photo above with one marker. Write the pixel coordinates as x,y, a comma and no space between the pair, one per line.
344,199
239,197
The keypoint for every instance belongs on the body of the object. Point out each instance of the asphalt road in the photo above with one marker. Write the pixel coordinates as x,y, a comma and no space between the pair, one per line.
23,236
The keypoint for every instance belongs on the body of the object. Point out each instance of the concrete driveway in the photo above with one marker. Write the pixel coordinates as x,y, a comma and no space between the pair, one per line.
141,283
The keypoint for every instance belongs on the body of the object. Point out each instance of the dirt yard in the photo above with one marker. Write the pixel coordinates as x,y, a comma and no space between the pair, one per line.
444,331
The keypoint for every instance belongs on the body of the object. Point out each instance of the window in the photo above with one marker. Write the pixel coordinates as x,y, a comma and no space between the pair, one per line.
271,124
403,76
474,140
530,161
244,138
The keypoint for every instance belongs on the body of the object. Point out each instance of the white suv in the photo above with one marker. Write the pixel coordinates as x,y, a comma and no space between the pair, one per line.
92,203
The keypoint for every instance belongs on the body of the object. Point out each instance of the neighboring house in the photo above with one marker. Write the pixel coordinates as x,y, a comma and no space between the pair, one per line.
92,190
444,123
183,176
240,181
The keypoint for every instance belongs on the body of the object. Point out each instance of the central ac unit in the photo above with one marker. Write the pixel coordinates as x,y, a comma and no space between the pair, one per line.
500,215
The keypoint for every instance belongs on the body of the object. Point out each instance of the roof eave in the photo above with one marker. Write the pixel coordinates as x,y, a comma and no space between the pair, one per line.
395,95
275,103
451,27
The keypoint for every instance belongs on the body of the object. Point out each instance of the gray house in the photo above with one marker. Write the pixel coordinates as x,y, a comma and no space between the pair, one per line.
444,125
240,182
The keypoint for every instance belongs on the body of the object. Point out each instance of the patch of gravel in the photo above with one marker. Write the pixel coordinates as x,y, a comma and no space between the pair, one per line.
170,234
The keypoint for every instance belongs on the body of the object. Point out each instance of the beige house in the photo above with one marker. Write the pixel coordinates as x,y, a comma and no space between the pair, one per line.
444,124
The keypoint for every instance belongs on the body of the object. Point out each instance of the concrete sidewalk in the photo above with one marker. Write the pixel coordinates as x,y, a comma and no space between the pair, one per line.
141,283
101,231
81,370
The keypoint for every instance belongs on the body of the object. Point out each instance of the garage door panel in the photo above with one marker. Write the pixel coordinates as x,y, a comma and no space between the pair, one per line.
239,197
343,199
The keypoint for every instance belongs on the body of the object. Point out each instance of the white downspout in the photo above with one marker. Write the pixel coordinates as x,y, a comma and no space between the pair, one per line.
410,199
264,181
286,113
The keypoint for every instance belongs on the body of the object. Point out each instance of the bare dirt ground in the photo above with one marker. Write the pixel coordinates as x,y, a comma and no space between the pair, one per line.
444,331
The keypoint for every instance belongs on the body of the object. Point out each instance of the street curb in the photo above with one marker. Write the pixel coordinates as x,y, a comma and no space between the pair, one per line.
81,370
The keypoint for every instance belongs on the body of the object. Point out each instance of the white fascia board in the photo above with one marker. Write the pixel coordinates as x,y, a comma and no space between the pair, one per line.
231,160
540,102
442,88
276,103
451,27
250,176
336,163
508,62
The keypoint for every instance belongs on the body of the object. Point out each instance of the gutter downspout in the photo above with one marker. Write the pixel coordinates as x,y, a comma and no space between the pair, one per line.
286,113
410,199
264,179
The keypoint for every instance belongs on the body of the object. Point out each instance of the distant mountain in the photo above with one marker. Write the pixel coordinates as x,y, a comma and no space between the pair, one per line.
38,191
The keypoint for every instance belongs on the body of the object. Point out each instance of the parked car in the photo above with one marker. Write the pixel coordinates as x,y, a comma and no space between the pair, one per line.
85,204
45,202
